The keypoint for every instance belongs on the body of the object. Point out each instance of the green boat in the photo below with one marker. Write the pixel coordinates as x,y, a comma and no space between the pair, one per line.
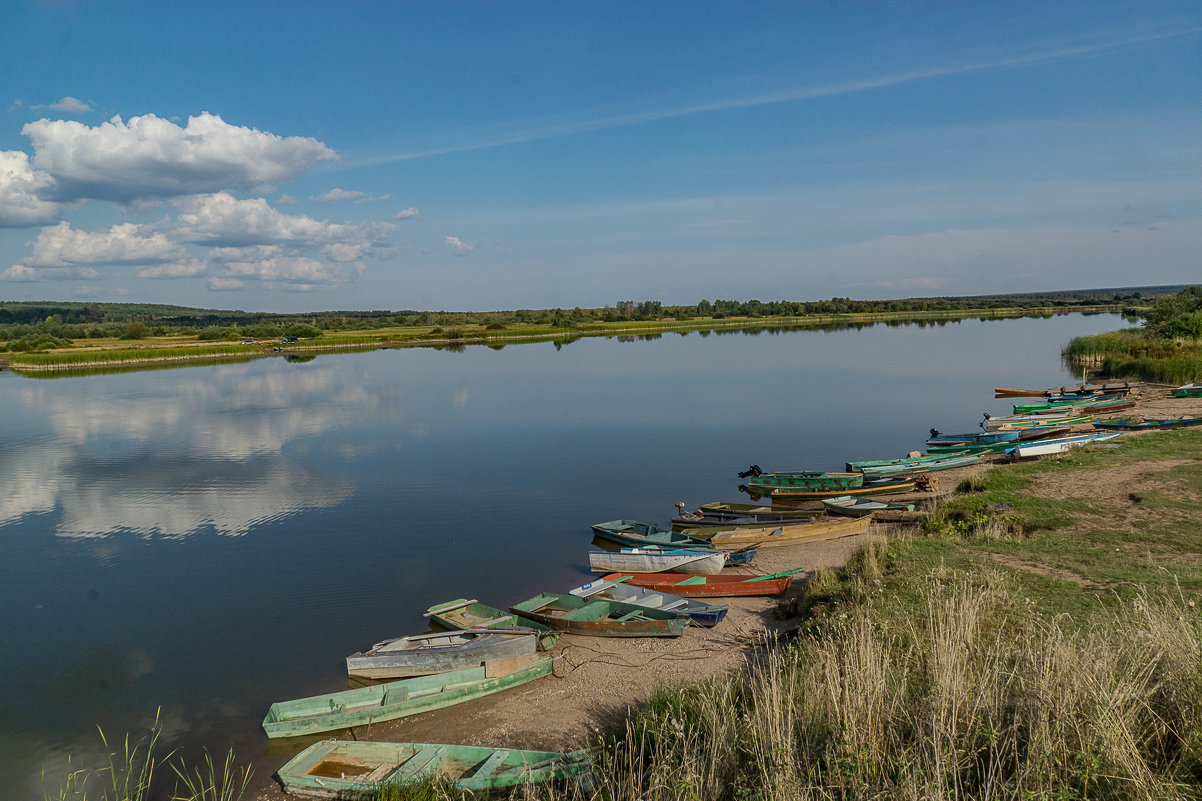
352,769
1088,400
463,614
599,618
780,483
1188,391
912,464
849,506
397,699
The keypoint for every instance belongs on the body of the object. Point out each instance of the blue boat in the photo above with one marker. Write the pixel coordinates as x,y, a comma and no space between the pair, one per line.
635,534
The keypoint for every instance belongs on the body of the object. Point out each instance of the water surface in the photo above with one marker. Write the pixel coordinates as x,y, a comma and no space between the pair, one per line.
207,540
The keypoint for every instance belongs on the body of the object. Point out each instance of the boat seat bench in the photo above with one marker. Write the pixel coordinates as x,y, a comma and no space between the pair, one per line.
422,760
491,764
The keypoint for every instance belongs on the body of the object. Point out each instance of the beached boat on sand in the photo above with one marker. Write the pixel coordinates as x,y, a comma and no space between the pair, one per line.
646,560
1147,424
849,506
767,536
425,654
348,769
699,612
398,699
1061,445
463,614
1188,391
727,516
913,465
600,618
878,486
636,534
711,586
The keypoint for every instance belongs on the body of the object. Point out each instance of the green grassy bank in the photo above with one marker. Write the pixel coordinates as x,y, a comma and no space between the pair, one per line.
106,353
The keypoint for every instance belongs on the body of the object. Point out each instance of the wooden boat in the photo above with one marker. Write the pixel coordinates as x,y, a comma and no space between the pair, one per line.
1188,391
699,612
711,586
724,509
646,560
913,465
463,614
1037,421
346,769
849,506
437,653
764,536
881,486
600,618
703,518
998,446
635,534
1007,392
1146,424
780,483
1063,403
1046,447
398,699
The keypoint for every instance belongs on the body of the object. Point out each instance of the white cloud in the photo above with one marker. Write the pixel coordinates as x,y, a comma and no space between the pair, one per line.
218,284
85,291
20,185
221,220
152,157
335,195
286,200
19,272
68,104
63,246
407,214
186,269
457,245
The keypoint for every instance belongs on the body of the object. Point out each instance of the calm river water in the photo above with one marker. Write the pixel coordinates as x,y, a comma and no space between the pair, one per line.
207,540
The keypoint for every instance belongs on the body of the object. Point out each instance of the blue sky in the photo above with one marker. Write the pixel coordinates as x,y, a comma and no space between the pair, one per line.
493,155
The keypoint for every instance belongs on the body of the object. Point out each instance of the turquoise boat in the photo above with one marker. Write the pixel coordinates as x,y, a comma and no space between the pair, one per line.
636,534
808,481
601,618
849,506
398,699
462,614
1067,403
1188,391
354,769
912,465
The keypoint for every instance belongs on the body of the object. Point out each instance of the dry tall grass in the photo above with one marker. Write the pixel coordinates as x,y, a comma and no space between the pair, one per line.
956,704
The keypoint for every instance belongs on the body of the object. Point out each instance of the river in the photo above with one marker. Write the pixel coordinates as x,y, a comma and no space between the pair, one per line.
206,540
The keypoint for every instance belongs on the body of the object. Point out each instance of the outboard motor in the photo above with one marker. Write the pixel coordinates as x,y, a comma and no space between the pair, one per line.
934,433
754,470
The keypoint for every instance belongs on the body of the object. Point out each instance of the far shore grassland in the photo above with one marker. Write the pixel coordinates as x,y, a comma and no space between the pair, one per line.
183,348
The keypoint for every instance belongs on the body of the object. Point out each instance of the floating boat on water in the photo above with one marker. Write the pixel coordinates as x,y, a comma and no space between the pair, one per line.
398,699
913,465
647,560
462,614
1121,388
425,654
727,514
699,612
600,618
711,586
347,769
780,483
1009,392
849,506
766,536
1146,424
1046,447
880,486
635,534
1188,391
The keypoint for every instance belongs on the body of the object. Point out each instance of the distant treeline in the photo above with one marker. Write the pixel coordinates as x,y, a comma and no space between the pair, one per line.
42,323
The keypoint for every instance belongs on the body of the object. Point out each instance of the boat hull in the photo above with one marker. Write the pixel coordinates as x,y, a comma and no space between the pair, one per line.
885,487
849,506
711,586
436,653
1061,445
599,618
644,561
762,536
352,769
700,613
463,614
395,699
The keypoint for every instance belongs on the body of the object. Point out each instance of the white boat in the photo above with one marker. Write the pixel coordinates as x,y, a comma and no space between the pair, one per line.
701,613
427,654
1047,447
644,560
